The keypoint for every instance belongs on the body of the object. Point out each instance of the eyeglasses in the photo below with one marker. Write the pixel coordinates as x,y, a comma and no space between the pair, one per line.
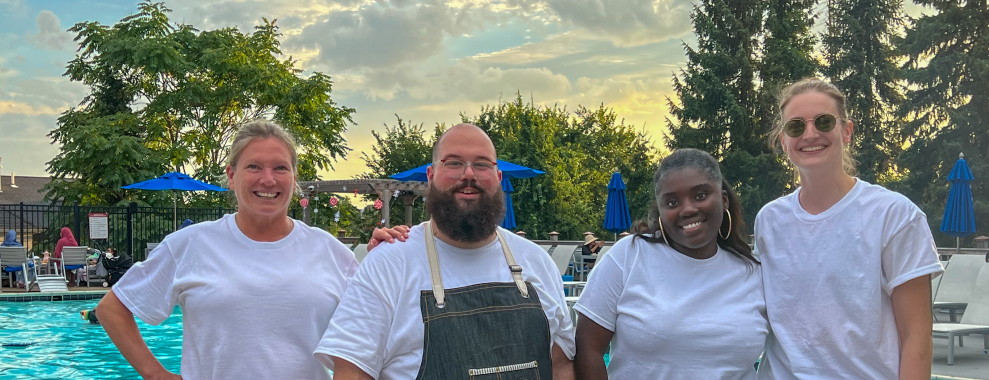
456,168
824,122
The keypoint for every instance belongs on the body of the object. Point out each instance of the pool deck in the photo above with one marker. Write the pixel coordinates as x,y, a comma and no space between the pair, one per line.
971,361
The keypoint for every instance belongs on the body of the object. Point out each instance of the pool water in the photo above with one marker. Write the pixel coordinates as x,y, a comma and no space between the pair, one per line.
53,342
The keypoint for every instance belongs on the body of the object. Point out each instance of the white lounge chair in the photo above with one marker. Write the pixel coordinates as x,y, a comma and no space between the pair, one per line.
976,317
562,255
955,288
13,257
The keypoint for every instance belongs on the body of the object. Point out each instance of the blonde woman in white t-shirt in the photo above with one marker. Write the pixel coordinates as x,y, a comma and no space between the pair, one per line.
846,264
685,302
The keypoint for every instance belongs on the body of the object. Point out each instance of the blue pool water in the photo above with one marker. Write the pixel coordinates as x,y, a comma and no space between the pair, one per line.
60,345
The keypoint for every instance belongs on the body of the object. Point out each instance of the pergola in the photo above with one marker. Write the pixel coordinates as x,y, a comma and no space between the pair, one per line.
383,188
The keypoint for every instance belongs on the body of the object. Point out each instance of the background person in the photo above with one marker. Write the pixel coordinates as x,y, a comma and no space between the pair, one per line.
452,281
846,264
685,302
10,240
256,288
67,239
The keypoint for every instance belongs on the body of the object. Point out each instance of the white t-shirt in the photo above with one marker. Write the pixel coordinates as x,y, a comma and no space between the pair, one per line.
378,326
829,278
676,317
249,309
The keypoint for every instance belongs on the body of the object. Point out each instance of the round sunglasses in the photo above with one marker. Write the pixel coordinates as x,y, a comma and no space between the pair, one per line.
824,122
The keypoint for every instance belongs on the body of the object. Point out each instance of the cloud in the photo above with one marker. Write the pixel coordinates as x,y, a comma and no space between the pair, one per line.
19,108
26,148
627,22
50,34
292,15
556,46
383,35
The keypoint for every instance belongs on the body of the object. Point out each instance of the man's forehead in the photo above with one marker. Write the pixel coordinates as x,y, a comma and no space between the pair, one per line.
466,143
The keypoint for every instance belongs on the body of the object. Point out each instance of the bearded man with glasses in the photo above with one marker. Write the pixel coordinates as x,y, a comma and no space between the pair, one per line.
460,297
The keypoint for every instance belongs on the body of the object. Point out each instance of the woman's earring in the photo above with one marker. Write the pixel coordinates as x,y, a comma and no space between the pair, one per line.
661,232
727,235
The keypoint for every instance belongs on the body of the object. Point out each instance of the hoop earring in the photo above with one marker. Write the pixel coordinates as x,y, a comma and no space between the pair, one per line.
727,235
661,232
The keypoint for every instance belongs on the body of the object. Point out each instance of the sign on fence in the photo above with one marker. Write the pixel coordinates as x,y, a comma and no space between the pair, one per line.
99,225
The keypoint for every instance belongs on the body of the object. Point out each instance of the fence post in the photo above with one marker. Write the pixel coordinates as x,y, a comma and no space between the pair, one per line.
20,214
76,221
131,210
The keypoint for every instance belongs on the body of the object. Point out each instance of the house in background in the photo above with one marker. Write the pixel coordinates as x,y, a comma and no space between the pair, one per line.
17,189
21,201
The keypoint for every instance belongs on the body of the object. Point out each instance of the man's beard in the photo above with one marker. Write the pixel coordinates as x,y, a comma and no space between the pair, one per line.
470,223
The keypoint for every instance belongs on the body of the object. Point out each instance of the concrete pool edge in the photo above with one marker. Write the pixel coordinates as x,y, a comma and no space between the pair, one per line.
52,296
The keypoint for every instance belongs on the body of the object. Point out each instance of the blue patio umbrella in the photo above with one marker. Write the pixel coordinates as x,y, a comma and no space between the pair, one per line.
616,215
507,168
509,221
174,181
959,210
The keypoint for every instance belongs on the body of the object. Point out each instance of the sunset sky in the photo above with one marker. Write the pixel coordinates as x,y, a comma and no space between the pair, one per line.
426,61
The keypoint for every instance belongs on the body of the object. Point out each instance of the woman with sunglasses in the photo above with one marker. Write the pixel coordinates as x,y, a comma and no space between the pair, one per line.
846,264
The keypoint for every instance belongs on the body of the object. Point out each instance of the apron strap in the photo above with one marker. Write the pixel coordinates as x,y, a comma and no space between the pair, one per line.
437,278
512,266
434,265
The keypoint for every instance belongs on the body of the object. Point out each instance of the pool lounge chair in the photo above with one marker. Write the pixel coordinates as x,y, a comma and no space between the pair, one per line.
955,288
562,255
974,321
13,260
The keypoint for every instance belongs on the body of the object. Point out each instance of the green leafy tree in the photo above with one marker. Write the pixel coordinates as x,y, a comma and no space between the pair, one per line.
947,105
400,148
168,96
860,61
717,100
578,151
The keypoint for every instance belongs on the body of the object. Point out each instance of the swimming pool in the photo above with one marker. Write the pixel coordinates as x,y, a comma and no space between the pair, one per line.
60,345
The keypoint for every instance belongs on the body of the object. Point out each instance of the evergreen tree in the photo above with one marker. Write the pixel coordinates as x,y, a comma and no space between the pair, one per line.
947,104
787,56
717,96
860,61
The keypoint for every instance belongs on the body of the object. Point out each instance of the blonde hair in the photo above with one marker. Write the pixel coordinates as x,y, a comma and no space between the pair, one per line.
811,84
261,129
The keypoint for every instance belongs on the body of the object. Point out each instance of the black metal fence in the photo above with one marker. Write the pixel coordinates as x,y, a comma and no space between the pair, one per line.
130,228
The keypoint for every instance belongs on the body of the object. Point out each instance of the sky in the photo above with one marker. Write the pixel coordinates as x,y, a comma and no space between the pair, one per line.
425,61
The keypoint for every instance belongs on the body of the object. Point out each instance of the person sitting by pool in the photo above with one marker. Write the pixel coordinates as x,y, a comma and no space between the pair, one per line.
236,325
67,239
10,240
684,302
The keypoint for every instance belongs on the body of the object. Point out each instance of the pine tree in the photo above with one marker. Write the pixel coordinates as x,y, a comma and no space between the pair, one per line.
717,97
860,61
787,56
947,104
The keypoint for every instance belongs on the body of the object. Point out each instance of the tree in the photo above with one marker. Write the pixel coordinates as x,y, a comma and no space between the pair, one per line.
860,61
402,147
947,56
578,151
787,56
716,109
172,96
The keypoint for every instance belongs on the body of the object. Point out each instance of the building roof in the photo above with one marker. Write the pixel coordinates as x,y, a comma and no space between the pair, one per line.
27,190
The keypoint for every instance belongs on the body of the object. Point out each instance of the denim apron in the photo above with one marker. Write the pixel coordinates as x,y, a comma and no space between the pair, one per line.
495,330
